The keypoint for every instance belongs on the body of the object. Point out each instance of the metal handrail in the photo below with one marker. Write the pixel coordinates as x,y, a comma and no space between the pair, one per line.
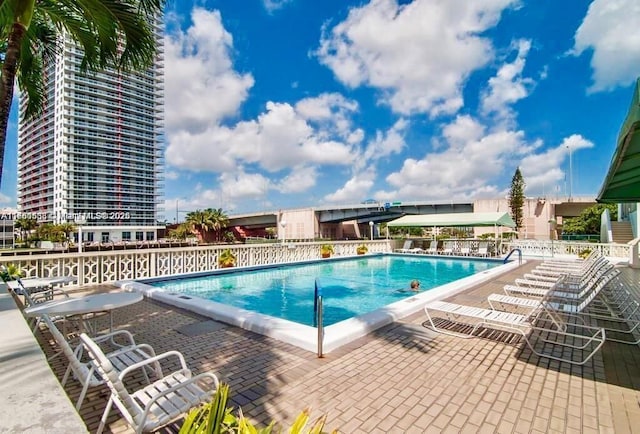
511,253
318,319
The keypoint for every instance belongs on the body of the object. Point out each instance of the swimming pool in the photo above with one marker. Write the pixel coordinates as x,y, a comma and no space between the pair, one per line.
350,287
341,332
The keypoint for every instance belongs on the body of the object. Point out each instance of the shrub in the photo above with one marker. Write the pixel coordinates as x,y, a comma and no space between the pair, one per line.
215,417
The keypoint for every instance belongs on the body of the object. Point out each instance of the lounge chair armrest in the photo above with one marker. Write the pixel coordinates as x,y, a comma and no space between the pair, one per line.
211,376
144,347
126,333
154,359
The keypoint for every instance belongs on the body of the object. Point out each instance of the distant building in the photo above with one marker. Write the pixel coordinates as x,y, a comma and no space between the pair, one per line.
94,156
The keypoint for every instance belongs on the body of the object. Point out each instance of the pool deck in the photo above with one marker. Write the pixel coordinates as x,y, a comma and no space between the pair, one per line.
402,378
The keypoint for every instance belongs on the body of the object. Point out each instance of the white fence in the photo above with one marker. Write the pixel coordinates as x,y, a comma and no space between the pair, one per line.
108,266
552,248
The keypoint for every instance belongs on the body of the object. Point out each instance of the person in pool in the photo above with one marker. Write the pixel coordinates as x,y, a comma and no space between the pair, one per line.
415,285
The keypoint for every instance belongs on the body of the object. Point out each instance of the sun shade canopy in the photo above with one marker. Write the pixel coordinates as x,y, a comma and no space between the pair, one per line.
622,183
469,219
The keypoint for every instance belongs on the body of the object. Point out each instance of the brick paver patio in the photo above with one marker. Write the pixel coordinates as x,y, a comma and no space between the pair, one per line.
402,378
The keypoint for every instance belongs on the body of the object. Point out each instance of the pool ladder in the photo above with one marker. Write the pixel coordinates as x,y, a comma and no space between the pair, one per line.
318,319
511,253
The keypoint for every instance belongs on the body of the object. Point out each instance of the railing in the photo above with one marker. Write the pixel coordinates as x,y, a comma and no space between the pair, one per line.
511,253
318,316
552,248
108,266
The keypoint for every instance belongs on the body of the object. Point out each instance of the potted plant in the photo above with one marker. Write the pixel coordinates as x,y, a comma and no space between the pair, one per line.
584,253
227,259
362,249
10,272
326,250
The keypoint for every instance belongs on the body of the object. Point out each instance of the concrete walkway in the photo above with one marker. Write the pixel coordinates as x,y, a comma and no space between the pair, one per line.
31,400
402,378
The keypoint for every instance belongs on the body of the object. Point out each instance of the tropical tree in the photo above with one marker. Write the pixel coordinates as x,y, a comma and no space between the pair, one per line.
182,232
588,222
111,33
25,225
208,220
220,220
516,198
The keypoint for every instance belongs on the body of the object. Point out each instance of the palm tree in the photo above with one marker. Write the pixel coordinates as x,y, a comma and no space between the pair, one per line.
111,33
219,220
25,225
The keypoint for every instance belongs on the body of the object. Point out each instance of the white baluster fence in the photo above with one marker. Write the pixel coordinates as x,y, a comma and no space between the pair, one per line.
108,266
553,248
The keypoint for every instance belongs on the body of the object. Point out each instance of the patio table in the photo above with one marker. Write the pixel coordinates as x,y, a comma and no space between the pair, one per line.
90,304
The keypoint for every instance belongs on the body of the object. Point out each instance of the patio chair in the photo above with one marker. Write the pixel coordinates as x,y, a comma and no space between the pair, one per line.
406,247
433,248
570,275
483,249
580,268
569,264
158,404
589,340
85,372
572,286
608,302
448,248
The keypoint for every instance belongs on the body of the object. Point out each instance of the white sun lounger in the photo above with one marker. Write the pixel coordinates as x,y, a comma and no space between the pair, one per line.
524,325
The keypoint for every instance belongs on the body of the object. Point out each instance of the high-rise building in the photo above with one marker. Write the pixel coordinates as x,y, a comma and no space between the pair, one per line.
95,154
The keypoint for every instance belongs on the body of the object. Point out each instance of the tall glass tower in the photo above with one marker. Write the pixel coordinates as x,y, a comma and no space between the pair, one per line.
96,151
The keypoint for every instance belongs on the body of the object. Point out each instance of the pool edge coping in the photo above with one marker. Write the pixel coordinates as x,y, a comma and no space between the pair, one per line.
303,336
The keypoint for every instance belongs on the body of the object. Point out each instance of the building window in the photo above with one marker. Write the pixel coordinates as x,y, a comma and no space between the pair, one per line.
139,236
90,237
126,236
105,237
151,236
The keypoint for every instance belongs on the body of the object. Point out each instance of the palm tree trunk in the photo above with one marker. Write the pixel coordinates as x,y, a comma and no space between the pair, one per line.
23,10
9,69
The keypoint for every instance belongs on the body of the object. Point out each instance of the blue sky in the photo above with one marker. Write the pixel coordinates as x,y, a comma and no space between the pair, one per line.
291,103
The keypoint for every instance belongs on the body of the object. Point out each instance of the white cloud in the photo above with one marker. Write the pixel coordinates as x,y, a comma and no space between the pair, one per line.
300,179
204,91
363,176
279,139
273,5
472,158
171,175
611,30
542,172
242,185
354,189
4,199
421,59
201,87
508,86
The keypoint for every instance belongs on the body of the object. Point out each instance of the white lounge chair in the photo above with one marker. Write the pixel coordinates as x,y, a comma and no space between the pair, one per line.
591,340
483,249
608,302
159,403
433,248
84,371
405,247
567,284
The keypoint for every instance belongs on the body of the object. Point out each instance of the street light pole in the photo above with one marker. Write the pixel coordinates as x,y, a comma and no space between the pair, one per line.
570,173
283,224
371,230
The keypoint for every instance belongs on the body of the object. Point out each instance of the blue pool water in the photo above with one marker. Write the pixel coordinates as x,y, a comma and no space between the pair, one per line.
351,287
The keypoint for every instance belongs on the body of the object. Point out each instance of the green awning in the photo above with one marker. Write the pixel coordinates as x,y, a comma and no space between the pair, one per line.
469,219
622,183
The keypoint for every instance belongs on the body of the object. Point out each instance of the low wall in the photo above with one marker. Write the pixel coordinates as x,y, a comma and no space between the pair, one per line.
92,268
